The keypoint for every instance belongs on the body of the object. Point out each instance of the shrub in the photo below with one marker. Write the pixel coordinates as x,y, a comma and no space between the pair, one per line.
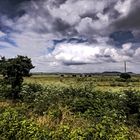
82,134
109,129
132,101
29,92
131,106
15,126
125,76
61,133
5,90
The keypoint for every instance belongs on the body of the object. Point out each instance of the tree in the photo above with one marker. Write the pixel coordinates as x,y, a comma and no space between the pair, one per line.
13,71
125,76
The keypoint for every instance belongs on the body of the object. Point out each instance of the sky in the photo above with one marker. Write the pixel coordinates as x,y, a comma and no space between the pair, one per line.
72,35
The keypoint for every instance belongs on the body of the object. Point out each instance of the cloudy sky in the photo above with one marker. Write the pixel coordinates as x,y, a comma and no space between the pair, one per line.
72,35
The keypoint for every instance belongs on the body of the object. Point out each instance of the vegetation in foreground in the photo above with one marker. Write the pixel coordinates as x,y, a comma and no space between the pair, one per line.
69,111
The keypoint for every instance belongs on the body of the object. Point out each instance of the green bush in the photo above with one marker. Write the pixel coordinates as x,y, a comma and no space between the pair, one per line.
30,91
5,89
105,129
82,134
109,129
15,126
105,113
131,106
125,76
65,132
61,133
132,101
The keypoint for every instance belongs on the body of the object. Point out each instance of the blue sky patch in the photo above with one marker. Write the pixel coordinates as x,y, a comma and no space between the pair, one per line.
121,37
70,40
8,40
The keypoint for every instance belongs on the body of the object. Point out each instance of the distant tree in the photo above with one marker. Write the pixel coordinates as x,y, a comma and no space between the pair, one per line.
62,75
125,76
13,71
74,75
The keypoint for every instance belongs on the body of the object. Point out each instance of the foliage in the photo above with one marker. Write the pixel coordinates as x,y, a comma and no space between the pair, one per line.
105,110
29,92
108,129
64,132
15,126
13,71
70,111
5,90
131,105
125,76
132,101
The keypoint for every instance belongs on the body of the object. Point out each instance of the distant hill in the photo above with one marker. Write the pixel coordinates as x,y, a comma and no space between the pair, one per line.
95,73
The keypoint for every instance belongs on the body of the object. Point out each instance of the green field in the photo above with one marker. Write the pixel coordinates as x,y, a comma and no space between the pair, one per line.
52,107
103,83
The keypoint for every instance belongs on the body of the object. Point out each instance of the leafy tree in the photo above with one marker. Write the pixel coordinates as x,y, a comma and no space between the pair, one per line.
13,71
125,76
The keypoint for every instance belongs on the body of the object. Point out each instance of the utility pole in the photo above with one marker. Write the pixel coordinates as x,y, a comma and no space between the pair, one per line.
125,66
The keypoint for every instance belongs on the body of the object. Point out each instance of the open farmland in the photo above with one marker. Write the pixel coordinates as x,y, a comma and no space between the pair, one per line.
99,82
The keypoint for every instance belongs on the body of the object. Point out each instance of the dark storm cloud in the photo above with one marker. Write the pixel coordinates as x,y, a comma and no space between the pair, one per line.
57,3
57,23
14,9
90,15
11,8
74,63
111,12
66,20
60,25
132,20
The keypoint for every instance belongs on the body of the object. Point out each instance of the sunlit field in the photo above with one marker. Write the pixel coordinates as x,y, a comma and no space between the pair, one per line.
103,83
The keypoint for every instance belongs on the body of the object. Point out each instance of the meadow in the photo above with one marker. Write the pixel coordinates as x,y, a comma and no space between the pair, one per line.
54,107
99,82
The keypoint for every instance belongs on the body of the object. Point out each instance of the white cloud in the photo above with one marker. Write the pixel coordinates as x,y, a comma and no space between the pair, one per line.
2,34
88,58
71,11
137,54
93,53
123,7
88,25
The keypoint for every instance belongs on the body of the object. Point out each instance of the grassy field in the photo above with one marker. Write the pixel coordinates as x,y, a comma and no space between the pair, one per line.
103,83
